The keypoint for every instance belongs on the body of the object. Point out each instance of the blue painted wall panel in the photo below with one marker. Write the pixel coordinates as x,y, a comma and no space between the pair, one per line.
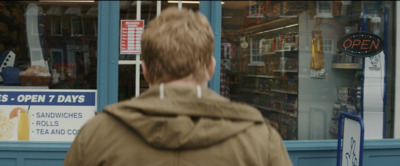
302,153
388,160
386,157
317,161
43,162
8,161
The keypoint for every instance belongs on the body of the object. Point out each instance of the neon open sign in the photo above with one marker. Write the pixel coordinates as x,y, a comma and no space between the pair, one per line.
361,44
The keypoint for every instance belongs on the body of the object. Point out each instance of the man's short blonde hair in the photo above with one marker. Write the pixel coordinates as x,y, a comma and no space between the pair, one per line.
177,44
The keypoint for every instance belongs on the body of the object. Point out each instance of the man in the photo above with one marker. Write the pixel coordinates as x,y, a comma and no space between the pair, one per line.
178,120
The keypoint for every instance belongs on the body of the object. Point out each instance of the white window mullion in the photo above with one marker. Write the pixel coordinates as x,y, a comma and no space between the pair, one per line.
127,62
137,74
180,4
158,7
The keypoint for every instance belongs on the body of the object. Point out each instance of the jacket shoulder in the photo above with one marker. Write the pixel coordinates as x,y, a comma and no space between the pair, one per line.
88,145
276,150
97,124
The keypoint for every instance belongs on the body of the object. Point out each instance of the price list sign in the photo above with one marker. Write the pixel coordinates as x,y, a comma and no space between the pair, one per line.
131,34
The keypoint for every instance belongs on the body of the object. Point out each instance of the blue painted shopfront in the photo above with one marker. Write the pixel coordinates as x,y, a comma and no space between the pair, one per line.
302,153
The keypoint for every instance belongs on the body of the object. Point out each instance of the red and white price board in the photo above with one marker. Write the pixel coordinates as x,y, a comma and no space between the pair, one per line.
131,34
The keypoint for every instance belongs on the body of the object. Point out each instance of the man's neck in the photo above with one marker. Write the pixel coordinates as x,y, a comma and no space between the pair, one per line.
186,83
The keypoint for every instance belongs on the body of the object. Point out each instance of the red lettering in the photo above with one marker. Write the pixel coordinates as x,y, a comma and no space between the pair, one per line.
374,44
346,41
364,43
356,44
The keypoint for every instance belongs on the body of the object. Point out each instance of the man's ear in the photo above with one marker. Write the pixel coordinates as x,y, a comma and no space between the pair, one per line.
145,74
211,67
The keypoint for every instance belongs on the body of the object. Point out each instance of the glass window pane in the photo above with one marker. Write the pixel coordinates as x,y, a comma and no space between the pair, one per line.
49,45
127,71
48,58
300,86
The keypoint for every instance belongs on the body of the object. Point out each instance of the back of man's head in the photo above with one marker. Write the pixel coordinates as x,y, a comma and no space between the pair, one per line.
177,44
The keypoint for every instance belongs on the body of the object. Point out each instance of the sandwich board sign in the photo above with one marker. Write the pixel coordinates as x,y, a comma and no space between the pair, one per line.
351,153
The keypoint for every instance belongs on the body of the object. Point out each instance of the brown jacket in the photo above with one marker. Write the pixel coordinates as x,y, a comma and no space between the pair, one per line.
178,127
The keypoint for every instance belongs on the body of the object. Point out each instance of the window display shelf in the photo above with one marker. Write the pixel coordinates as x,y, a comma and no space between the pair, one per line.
285,71
347,65
23,87
284,91
269,62
275,110
280,51
246,90
269,93
256,91
275,24
260,76
256,64
234,82
260,92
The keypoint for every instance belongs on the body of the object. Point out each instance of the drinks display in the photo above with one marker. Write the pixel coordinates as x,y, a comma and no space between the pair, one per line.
23,126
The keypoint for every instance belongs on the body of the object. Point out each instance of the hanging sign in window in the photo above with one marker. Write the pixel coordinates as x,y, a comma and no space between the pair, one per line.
131,34
44,115
361,44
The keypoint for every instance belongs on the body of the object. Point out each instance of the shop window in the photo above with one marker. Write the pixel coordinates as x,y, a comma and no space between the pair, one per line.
59,37
48,74
299,85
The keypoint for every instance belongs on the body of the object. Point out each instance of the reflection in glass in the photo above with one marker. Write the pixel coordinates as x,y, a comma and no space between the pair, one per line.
59,37
274,59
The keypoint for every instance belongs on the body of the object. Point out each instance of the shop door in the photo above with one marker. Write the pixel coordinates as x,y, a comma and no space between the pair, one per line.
130,77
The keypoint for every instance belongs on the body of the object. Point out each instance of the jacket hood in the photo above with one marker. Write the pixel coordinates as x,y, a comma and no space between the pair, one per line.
172,117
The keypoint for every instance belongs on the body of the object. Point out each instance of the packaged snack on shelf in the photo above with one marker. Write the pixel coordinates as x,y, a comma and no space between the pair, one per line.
343,94
336,109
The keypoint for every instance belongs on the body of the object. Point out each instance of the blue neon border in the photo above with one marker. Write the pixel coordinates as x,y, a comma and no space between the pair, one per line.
339,137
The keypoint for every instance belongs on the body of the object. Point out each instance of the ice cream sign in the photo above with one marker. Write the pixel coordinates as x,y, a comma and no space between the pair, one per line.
361,44
44,115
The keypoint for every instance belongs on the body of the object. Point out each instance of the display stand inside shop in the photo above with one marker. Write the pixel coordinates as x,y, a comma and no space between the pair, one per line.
269,72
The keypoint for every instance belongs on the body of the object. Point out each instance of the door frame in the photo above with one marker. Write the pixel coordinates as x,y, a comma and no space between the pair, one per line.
108,47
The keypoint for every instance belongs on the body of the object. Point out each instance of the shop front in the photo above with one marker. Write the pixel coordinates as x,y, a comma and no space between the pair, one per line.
300,63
